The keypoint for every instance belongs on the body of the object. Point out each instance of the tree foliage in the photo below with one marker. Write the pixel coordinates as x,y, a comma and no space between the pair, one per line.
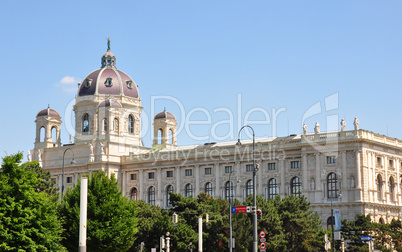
45,184
111,221
289,224
300,224
28,216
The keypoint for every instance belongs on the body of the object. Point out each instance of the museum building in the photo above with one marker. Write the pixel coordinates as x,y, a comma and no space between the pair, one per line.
356,170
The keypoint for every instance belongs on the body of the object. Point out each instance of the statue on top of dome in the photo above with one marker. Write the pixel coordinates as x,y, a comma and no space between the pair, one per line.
108,43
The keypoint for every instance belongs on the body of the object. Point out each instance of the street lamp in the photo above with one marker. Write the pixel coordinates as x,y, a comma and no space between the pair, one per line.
255,242
332,223
62,179
230,212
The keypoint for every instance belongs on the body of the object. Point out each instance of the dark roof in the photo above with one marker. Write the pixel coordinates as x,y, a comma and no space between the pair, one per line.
48,112
165,114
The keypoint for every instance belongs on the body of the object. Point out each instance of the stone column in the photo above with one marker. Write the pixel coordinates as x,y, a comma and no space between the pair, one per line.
318,193
282,169
217,187
178,178
386,179
140,193
370,174
345,185
397,182
358,191
124,182
305,184
197,180
159,187
374,177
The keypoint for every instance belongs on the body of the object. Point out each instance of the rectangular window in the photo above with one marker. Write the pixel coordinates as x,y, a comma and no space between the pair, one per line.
189,172
295,164
271,166
228,169
331,160
379,161
208,171
133,176
169,174
69,180
391,163
151,175
249,167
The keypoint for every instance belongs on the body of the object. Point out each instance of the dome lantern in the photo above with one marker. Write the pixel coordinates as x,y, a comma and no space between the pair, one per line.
108,59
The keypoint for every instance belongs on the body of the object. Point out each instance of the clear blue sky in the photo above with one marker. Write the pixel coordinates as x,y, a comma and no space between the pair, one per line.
285,55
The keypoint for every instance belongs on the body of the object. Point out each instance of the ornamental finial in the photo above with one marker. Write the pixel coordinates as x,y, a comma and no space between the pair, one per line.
108,44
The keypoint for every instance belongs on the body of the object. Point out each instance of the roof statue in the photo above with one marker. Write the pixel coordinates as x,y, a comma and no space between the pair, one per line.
108,44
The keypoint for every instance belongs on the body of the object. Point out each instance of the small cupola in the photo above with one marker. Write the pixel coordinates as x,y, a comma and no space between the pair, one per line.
48,126
165,130
108,59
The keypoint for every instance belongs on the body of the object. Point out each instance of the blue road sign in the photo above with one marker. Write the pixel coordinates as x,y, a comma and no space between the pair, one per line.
234,209
365,238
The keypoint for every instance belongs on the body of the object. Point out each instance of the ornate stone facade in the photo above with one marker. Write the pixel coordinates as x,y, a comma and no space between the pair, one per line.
361,166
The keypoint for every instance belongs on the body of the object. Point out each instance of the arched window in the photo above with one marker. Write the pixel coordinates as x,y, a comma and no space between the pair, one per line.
105,126
332,186
272,188
170,136
330,221
208,188
229,190
189,190
54,134
116,125
42,134
382,221
160,136
151,195
295,185
130,124
379,186
85,123
169,189
133,194
391,185
249,188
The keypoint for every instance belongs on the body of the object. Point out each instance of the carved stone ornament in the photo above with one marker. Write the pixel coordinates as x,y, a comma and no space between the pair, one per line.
323,173
339,172
311,160
351,156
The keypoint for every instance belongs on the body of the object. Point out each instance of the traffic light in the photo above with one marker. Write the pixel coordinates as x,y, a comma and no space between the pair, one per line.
175,219
259,214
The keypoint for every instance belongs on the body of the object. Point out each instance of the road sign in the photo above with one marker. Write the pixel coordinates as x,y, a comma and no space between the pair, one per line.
365,238
241,209
263,245
262,234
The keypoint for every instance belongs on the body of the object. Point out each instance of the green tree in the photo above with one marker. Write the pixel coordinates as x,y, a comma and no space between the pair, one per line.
395,227
353,230
45,184
271,223
301,225
111,221
153,222
28,217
